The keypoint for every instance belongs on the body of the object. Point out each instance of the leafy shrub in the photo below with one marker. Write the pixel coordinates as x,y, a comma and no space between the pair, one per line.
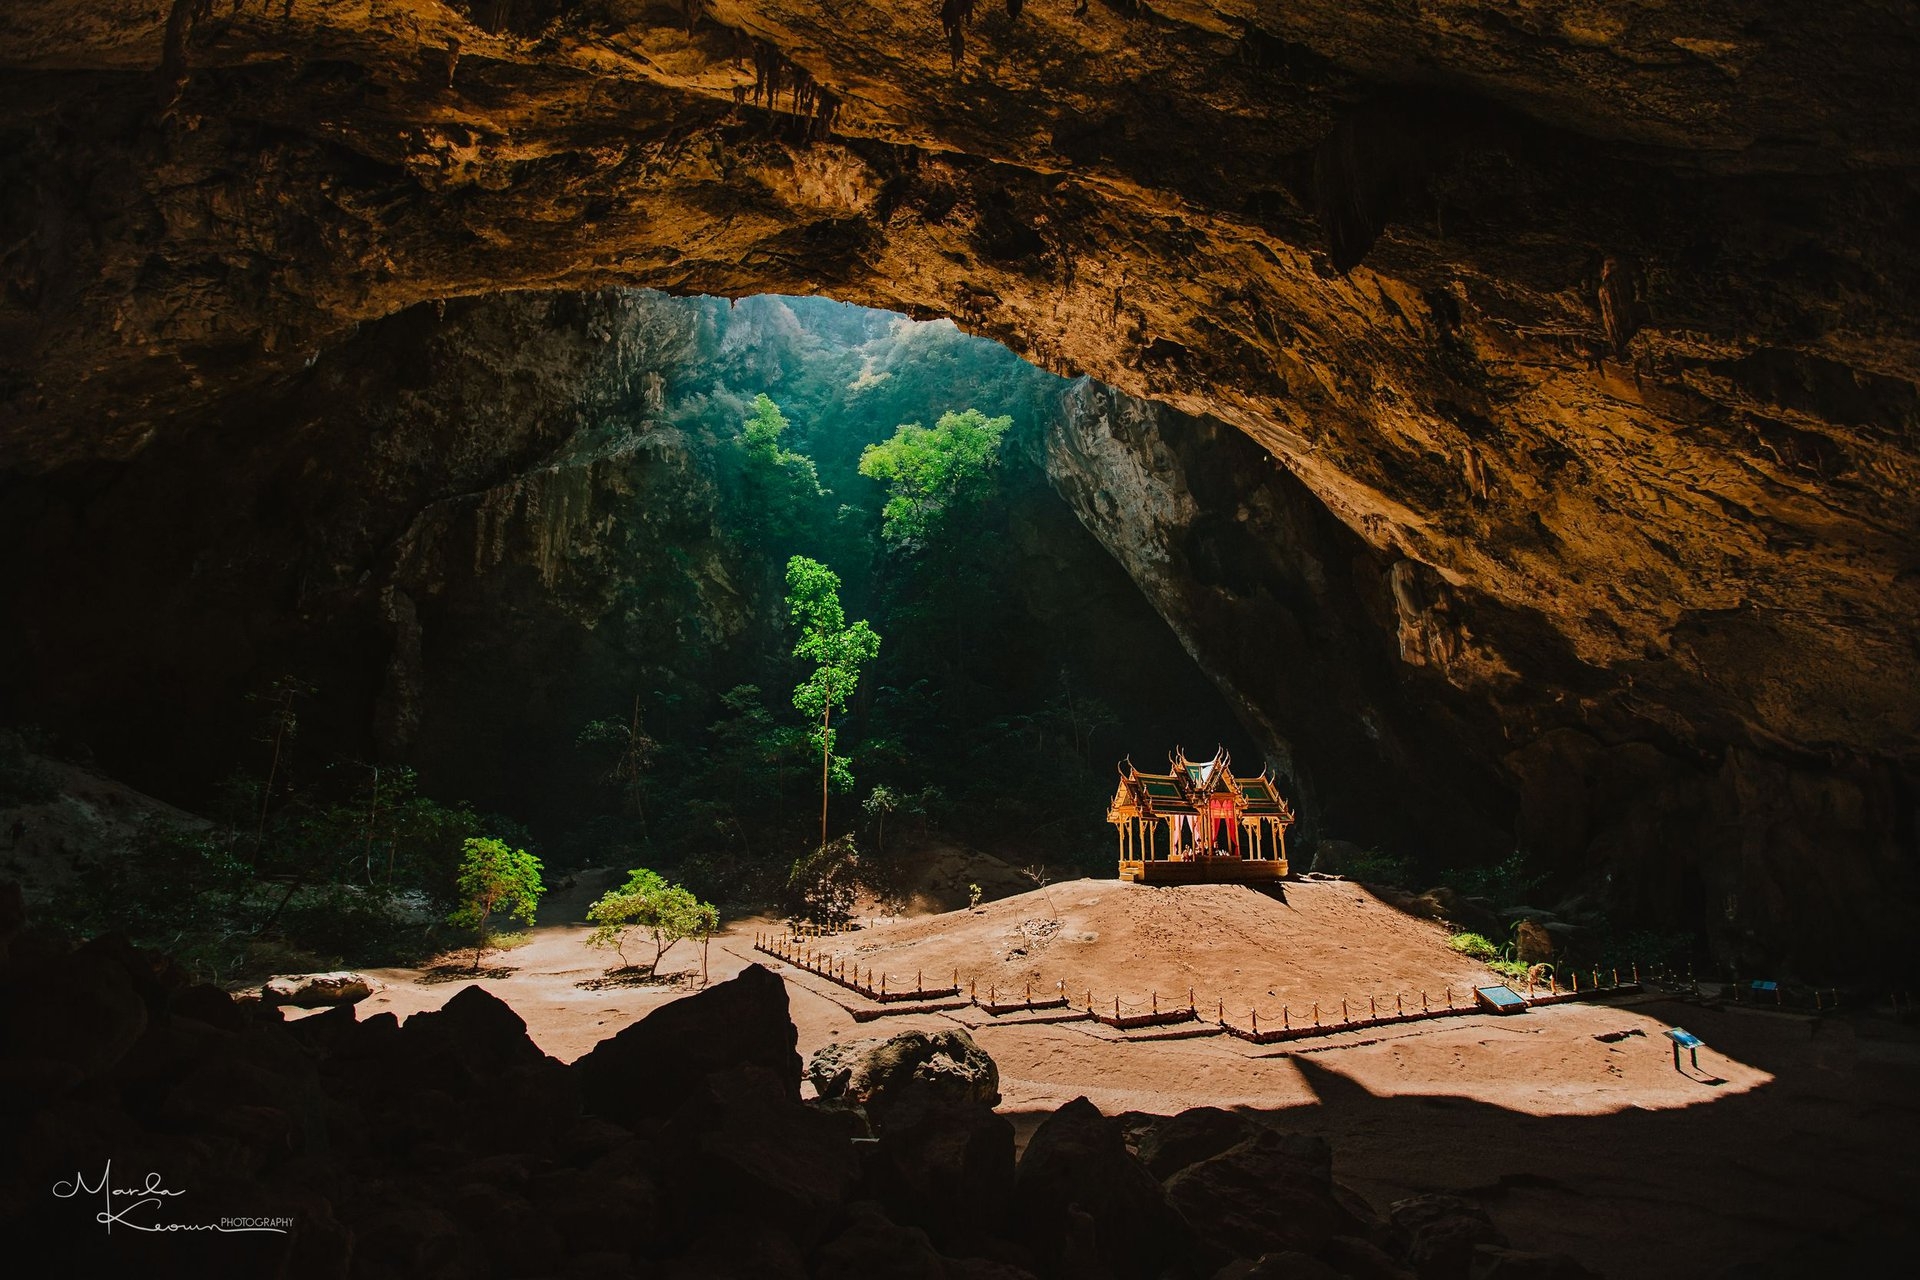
1511,970
1506,882
1375,867
1474,946
495,880
648,901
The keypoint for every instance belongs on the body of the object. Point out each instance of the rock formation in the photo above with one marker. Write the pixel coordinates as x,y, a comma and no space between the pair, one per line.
1589,327
450,1144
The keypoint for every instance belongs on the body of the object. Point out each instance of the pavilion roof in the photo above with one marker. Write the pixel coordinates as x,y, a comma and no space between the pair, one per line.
1192,785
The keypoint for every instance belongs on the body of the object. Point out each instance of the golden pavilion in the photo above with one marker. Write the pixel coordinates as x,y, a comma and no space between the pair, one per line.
1198,824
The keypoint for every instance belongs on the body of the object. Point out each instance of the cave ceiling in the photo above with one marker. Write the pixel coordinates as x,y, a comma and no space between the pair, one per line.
1593,320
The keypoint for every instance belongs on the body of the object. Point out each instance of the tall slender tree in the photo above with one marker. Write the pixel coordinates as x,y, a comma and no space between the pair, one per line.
837,650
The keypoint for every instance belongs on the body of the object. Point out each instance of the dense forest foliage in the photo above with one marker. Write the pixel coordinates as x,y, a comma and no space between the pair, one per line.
904,457
651,697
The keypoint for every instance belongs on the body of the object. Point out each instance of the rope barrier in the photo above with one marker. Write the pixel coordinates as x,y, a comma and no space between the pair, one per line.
881,987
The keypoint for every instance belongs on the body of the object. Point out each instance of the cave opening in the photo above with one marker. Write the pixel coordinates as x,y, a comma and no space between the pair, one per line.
1502,421
519,563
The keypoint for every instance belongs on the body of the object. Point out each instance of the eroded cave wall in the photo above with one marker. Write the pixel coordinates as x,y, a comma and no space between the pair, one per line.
331,526
1418,716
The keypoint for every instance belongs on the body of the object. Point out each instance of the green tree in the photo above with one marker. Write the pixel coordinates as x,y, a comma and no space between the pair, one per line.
780,484
629,749
494,880
278,731
838,652
931,472
649,901
880,802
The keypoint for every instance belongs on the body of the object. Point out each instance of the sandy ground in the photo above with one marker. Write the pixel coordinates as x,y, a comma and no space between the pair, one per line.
1793,1130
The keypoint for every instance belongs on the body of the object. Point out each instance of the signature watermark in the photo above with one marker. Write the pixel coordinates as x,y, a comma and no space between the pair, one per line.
141,1207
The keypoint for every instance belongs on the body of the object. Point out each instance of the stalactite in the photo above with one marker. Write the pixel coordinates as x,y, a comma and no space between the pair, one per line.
954,17
173,55
769,72
814,106
826,112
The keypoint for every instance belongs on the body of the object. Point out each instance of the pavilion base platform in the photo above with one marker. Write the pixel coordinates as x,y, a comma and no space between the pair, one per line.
1205,871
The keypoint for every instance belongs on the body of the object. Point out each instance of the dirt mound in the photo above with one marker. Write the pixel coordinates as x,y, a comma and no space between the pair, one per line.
933,876
1311,942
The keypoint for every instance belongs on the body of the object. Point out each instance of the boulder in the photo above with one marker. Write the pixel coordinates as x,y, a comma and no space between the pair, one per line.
752,1146
1267,1194
212,1005
1078,1189
1491,1262
1362,1259
1171,1143
409,1238
646,1069
948,1169
872,1247
735,1245
519,1239
317,990
1334,857
474,1032
912,1070
1471,914
83,1010
831,1067
1200,1133
1290,1264
1532,943
1442,1233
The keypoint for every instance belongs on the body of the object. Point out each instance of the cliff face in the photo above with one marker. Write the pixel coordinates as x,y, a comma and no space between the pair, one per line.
1429,719
458,495
1588,326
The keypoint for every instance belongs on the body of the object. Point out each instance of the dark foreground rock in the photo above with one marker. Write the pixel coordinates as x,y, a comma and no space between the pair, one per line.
645,1070
449,1146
